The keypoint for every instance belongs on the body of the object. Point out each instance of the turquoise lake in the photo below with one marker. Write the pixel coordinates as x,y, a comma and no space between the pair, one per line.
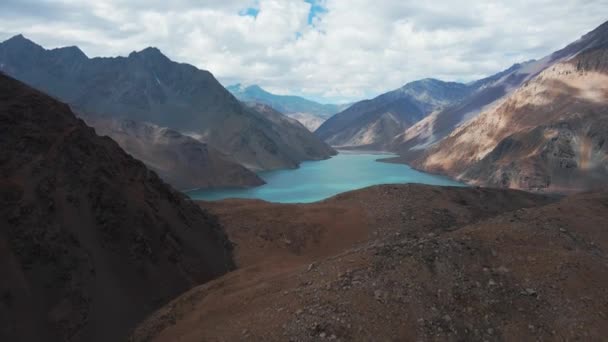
318,180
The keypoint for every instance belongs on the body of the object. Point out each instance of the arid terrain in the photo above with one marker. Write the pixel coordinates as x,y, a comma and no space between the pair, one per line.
413,263
149,150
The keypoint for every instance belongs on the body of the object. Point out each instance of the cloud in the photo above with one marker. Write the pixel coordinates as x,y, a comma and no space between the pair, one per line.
333,49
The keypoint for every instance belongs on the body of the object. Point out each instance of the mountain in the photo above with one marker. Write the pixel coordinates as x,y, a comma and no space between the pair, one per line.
373,124
489,93
548,134
283,103
181,161
482,94
91,240
146,86
300,144
311,114
310,121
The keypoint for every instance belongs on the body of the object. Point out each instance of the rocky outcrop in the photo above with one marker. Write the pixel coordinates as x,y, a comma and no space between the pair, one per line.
147,86
91,241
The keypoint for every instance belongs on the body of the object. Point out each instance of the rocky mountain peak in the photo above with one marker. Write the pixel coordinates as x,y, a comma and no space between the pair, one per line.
149,53
70,52
19,41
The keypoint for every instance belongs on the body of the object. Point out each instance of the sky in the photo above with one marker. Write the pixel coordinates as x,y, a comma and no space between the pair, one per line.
328,50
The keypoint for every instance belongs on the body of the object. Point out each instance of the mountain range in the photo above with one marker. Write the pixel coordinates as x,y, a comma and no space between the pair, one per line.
373,124
538,125
547,133
311,114
97,245
148,87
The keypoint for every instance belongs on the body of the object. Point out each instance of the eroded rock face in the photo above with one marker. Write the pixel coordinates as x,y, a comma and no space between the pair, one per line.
90,239
548,134
538,126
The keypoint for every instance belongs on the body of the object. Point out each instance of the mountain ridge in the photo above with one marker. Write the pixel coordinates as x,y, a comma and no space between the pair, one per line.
374,123
546,135
147,86
310,113
85,228
492,90
182,161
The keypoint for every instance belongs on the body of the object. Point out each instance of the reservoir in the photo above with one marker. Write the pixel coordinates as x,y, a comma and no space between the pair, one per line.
317,180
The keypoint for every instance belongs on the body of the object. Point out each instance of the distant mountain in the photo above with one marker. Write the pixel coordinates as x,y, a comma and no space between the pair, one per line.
283,103
91,241
483,94
182,161
549,133
310,121
311,114
301,141
373,124
148,87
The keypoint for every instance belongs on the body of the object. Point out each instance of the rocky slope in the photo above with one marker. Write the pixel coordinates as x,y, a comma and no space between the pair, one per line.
549,134
91,241
181,161
310,121
146,86
420,263
489,93
373,124
296,141
440,123
311,114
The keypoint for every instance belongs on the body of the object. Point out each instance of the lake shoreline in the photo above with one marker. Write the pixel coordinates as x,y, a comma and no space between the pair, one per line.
319,180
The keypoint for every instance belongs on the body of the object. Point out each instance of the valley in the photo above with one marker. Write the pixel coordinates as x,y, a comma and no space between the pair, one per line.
296,193
315,181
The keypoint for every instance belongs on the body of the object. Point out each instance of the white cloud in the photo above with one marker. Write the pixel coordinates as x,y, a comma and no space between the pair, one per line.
352,49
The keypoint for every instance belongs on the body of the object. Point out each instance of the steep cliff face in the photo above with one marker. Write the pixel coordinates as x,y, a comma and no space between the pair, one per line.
181,161
91,241
147,86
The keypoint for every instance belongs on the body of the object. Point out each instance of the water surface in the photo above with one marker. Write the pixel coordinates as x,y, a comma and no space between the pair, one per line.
317,180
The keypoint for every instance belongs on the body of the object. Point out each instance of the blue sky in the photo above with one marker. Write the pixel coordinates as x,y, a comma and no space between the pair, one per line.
250,11
328,50
316,9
